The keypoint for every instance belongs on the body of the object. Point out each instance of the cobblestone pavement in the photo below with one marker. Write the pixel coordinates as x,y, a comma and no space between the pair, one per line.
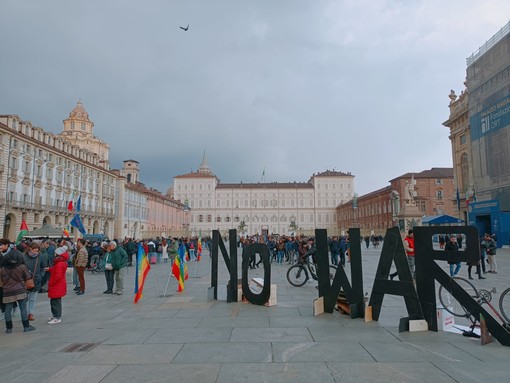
182,337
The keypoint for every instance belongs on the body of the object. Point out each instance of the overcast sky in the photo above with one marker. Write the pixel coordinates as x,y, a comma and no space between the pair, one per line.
293,87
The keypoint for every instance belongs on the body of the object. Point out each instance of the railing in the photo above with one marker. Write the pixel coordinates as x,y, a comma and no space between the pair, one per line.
54,209
489,44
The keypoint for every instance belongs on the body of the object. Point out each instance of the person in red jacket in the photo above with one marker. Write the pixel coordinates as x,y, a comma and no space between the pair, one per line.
57,285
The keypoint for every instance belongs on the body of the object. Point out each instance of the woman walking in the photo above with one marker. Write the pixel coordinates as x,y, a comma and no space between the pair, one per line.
14,274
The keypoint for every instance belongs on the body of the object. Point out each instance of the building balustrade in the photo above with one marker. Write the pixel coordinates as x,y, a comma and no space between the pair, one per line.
52,209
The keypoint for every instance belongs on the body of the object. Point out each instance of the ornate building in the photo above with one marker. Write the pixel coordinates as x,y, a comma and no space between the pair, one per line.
479,124
271,208
41,172
432,194
460,137
145,212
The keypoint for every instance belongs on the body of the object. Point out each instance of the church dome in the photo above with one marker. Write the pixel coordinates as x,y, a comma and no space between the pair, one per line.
79,112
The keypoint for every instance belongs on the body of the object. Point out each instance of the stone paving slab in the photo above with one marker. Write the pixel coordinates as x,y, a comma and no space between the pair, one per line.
130,337
225,353
476,372
82,374
319,352
343,335
231,322
190,335
275,373
131,354
181,373
405,352
388,372
270,335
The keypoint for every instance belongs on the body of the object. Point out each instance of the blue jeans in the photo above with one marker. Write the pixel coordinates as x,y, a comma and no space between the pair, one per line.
22,303
280,256
482,260
334,258
32,299
76,281
456,271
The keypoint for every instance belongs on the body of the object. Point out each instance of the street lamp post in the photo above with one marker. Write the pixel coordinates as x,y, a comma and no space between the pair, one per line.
355,209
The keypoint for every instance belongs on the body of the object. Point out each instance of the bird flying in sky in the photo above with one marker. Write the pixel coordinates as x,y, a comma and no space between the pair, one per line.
185,29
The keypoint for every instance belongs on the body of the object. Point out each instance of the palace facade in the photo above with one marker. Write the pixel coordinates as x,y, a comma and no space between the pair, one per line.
41,172
262,208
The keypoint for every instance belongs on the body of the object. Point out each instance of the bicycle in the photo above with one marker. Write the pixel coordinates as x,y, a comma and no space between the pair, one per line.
481,296
98,267
300,273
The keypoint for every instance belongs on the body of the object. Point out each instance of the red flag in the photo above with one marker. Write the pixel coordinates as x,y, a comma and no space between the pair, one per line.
24,225
70,204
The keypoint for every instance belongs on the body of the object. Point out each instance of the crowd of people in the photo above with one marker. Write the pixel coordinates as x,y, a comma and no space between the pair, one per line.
44,263
292,249
40,266
488,248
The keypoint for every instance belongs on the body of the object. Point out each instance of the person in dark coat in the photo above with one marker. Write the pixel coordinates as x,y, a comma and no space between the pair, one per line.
119,260
36,265
334,248
57,285
14,275
453,259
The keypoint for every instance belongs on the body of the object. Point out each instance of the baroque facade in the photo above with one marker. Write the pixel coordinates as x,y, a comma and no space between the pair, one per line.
460,139
479,124
262,208
41,172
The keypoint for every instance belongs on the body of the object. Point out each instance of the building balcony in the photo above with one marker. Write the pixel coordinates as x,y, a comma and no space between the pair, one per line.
58,210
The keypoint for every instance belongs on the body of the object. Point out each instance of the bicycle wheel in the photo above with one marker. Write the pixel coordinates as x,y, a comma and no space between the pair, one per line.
451,304
504,305
297,275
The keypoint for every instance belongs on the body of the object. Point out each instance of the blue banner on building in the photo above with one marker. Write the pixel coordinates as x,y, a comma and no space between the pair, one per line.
494,115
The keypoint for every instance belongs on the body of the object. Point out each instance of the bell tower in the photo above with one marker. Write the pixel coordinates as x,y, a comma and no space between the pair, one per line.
131,171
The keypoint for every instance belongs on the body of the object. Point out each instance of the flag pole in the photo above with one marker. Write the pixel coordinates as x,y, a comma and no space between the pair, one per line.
195,271
168,280
155,285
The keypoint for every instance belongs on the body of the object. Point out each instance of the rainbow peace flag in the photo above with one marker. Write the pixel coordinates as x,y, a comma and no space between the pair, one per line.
180,267
66,233
199,248
142,269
